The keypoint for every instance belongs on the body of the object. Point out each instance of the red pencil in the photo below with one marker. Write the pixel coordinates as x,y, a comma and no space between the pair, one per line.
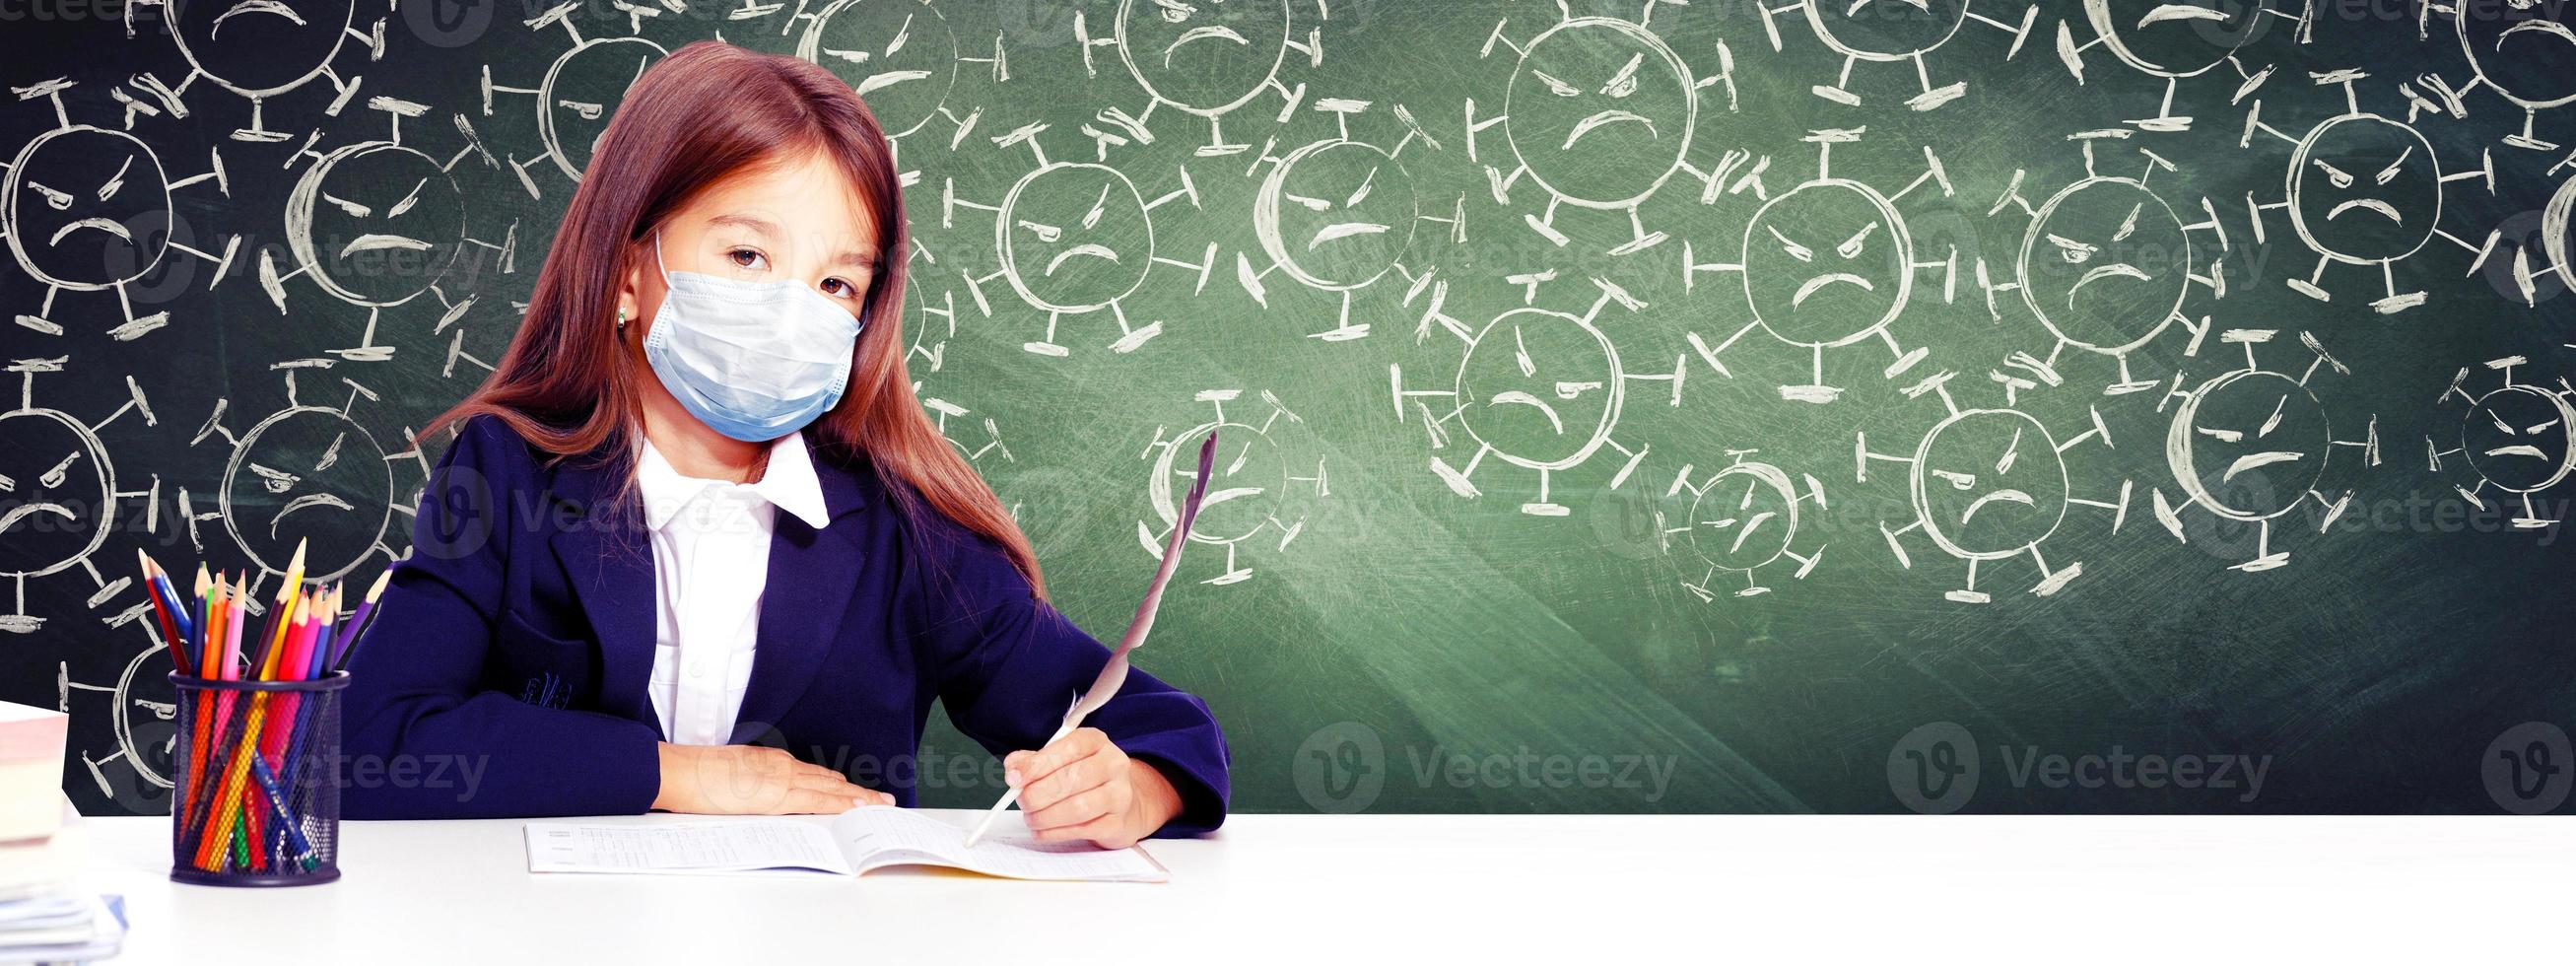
161,610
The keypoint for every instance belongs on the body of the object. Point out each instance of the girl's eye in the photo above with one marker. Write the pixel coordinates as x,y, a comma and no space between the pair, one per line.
747,258
836,288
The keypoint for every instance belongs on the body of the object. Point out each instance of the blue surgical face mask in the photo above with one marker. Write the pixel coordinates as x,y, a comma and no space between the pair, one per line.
752,360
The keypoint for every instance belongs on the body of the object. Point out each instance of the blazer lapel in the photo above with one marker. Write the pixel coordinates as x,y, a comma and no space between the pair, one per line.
603,549
812,574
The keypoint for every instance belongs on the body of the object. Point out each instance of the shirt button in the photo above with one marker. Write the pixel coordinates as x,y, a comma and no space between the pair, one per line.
697,670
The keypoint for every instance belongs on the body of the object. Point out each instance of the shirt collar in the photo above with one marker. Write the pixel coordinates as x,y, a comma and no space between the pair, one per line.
789,483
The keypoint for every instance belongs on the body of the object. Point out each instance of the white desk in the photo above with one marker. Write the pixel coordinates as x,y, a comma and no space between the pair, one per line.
1366,888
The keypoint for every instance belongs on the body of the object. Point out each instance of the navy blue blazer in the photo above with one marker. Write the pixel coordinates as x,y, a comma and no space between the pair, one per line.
515,643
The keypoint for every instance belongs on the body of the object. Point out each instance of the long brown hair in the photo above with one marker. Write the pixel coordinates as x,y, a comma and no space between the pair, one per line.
704,112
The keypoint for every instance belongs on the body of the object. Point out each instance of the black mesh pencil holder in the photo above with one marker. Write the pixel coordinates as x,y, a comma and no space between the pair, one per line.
256,795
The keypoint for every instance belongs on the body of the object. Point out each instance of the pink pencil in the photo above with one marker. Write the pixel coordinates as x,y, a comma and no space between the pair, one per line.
232,637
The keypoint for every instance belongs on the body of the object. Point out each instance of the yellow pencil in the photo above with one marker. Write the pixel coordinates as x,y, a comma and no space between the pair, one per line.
252,727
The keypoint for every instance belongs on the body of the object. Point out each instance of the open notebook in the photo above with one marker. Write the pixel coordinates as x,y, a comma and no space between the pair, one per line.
857,841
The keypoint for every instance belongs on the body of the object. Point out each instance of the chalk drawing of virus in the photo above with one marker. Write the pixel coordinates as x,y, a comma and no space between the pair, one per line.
1206,59
2519,49
1891,34
580,91
58,492
305,475
2364,190
1743,517
1253,487
86,208
902,56
1990,485
2518,439
258,49
2252,444
1338,215
2106,266
1073,239
1537,389
2174,41
377,223
1828,264
1599,113
973,443
2555,220
141,725
933,327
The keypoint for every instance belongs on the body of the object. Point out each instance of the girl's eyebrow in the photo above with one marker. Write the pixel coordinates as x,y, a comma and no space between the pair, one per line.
857,257
756,225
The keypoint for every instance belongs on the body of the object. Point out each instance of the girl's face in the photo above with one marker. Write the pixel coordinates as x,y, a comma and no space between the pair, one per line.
800,219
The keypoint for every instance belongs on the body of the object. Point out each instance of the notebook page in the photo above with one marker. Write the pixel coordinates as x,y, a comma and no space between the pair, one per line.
685,848
880,836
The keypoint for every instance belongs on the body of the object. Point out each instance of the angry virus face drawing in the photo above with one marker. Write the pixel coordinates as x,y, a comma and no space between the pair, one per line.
1244,483
1074,237
1745,517
2521,438
1205,57
2105,264
1827,264
2249,445
899,54
2522,49
1988,484
308,474
2365,189
54,491
261,47
1541,388
582,90
376,223
1336,214
86,208
2175,38
1600,112
1886,29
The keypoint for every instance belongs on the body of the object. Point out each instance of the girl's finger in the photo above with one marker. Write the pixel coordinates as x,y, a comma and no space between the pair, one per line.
1074,779
1073,810
836,786
1082,743
806,801
1105,831
809,768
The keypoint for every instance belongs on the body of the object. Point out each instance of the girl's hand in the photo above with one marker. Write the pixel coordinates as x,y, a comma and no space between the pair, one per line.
1082,788
753,780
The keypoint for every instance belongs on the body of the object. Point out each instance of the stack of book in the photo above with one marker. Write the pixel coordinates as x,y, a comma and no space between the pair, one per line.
45,917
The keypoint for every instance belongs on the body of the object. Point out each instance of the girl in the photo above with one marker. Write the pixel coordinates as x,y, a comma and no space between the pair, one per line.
696,547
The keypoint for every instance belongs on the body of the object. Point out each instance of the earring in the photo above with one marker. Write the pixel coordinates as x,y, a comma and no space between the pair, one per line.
621,320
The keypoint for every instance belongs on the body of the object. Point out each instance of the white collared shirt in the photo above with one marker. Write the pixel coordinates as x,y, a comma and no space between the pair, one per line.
710,565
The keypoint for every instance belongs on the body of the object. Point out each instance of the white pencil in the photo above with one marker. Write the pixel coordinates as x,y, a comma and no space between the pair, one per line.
1114,674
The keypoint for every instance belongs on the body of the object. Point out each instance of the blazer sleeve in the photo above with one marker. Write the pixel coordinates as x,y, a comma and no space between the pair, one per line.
1009,665
416,709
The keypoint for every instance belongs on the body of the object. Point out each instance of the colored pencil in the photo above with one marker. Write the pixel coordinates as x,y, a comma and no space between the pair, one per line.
359,622
165,607
229,795
237,812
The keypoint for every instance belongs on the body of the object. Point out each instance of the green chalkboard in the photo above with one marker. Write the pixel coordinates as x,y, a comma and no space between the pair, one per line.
1632,407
